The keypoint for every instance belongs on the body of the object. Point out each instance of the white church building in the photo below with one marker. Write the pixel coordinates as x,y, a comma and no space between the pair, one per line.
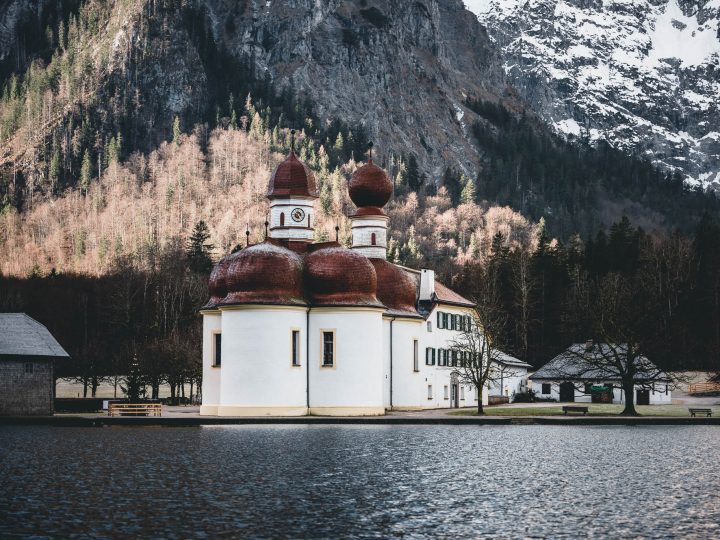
294,327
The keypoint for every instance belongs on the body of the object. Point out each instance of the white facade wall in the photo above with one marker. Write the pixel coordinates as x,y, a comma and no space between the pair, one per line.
658,396
408,390
354,384
211,375
293,230
512,383
363,229
257,375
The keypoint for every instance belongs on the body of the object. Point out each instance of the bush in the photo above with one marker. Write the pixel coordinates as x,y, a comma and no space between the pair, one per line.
524,397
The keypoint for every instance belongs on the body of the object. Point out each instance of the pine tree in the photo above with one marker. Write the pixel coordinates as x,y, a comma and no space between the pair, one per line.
467,195
414,179
85,172
198,250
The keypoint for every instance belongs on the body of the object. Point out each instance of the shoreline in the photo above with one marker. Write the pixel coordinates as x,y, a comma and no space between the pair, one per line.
194,421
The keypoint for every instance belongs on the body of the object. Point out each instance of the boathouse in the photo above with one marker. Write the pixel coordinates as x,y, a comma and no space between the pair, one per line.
28,352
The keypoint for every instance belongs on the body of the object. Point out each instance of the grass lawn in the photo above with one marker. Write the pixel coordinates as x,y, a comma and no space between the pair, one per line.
594,409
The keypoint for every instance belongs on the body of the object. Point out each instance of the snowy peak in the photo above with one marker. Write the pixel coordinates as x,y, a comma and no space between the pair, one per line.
643,75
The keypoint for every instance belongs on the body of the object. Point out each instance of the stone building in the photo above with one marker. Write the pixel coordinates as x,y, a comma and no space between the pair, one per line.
27,355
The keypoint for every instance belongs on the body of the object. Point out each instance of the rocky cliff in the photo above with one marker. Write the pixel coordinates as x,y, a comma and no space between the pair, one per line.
643,75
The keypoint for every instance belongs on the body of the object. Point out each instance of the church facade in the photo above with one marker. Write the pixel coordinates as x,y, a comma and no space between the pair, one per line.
294,327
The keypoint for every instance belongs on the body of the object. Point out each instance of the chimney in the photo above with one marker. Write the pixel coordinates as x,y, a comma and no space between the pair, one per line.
427,285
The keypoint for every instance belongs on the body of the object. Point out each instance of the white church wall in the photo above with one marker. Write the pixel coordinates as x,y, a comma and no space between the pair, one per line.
211,375
354,384
409,390
257,375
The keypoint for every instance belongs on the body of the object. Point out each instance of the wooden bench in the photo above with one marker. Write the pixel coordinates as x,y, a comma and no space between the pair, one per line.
706,412
135,409
574,408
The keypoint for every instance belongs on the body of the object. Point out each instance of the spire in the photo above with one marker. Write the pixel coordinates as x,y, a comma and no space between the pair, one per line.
292,141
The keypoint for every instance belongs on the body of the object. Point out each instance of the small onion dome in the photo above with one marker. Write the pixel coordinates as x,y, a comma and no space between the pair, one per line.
370,186
292,178
338,276
217,287
264,274
396,288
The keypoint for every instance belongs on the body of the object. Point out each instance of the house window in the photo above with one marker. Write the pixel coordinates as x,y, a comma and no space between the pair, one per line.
430,396
476,393
546,388
588,388
28,367
440,320
328,339
453,322
429,356
296,347
462,392
416,359
282,219
373,239
217,350
445,320
446,392
666,389
429,326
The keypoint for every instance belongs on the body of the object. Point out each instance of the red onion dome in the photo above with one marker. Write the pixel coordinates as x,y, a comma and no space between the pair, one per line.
217,288
292,177
264,274
370,186
395,288
337,276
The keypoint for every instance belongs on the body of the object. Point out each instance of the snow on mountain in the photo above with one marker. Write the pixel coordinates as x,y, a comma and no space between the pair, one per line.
643,75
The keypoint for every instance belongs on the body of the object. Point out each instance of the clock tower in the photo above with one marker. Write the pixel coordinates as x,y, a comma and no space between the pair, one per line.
292,192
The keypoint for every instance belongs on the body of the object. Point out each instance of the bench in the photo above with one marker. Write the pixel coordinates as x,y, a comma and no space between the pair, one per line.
706,412
135,409
574,408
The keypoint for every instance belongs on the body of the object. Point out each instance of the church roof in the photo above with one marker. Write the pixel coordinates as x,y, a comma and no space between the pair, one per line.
292,178
21,335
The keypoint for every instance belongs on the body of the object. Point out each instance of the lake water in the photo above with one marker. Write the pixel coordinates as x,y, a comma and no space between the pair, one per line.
360,482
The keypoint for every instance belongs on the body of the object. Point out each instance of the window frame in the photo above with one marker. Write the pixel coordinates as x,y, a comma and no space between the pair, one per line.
446,392
429,356
430,391
216,334
416,355
429,326
295,352
542,389
324,331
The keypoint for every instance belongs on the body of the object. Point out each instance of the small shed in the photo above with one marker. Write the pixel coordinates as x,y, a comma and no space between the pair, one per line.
28,352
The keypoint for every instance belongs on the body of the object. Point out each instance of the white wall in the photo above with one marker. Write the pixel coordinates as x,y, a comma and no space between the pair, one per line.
257,375
409,389
211,375
354,385
657,396
513,382
292,229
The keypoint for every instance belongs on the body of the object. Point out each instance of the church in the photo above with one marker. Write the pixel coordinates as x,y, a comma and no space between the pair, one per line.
294,327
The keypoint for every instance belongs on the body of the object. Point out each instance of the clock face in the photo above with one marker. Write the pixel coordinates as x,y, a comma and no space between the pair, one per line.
298,214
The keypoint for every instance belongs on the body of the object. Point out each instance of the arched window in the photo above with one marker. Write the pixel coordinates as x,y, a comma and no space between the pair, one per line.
282,219
373,240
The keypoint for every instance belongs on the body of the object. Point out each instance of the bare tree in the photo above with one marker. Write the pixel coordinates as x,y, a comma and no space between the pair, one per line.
478,344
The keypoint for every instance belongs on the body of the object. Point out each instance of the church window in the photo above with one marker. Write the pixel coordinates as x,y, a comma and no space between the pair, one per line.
430,395
296,347
416,359
429,356
328,350
373,239
217,350
446,392
282,219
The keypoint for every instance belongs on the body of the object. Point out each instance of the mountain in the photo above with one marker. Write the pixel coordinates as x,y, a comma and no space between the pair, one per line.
90,83
643,75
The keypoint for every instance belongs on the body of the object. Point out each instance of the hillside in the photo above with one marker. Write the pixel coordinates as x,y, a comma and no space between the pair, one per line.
110,82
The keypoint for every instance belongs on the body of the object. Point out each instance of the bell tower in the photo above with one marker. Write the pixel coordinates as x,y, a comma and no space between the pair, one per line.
292,191
370,190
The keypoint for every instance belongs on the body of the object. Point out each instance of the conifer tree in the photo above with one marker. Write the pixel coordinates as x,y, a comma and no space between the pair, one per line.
467,195
199,250
85,172
176,130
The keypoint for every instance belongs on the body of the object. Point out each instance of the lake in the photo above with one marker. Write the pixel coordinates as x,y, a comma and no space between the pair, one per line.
360,482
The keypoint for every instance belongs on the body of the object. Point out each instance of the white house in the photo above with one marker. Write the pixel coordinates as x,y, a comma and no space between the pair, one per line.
578,372
511,377
294,327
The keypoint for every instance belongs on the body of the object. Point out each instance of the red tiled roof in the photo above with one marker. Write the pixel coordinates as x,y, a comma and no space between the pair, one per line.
446,295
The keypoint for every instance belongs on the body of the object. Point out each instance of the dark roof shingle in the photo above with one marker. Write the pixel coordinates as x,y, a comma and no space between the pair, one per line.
21,335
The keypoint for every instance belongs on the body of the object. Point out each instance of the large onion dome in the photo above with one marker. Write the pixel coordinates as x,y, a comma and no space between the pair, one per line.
264,274
337,276
217,287
370,186
292,178
396,288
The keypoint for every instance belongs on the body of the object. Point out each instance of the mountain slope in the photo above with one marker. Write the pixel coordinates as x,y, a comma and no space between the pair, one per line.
643,75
